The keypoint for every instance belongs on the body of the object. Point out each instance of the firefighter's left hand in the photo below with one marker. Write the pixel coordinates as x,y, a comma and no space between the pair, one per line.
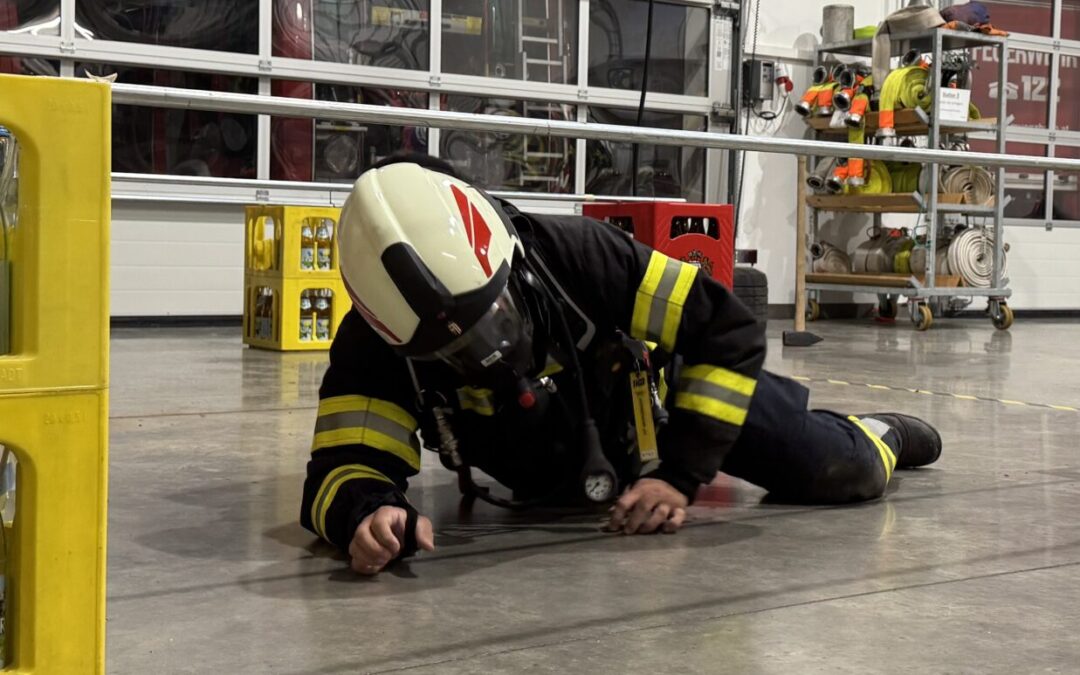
650,504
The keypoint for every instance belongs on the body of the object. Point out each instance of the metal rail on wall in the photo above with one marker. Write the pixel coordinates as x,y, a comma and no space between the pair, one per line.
253,104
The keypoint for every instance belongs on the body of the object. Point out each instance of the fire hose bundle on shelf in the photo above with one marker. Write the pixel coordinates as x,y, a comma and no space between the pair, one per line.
818,99
974,182
829,259
905,87
971,256
878,255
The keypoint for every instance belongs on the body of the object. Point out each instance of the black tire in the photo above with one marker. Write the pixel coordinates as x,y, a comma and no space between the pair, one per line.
752,288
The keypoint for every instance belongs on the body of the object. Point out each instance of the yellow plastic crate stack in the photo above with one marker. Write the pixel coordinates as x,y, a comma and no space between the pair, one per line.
54,374
294,299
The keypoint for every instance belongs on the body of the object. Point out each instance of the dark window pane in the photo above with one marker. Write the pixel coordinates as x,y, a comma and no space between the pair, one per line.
532,40
23,65
333,151
180,142
511,161
385,33
1028,87
30,17
662,170
1024,188
1068,102
223,25
680,46
1070,20
1032,17
1067,187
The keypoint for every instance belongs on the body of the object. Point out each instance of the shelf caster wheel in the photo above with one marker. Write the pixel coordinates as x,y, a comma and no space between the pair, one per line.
813,310
922,316
1002,315
887,307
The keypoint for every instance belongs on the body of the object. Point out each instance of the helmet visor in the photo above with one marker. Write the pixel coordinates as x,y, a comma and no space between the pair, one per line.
501,339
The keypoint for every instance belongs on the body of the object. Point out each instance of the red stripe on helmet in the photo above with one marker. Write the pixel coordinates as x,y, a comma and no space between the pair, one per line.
368,315
476,228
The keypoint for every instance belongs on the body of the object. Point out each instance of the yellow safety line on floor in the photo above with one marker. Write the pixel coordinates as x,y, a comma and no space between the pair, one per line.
925,392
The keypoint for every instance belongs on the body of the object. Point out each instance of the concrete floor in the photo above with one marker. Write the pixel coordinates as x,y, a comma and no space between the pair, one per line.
970,566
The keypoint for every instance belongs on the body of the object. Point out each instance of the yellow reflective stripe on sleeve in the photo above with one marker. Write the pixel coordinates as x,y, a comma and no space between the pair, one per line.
360,420
329,489
717,392
639,325
339,404
888,457
673,313
408,453
721,377
658,306
725,412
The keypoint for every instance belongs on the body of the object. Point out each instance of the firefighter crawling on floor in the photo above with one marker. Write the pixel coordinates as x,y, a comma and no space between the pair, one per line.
516,343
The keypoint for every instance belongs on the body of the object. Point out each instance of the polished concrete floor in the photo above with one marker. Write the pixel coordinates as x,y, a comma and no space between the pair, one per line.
970,566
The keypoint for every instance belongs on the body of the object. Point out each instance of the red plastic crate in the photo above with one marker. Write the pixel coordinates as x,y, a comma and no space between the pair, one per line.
699,234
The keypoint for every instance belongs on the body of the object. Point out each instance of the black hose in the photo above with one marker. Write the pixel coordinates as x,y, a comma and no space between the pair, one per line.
644,90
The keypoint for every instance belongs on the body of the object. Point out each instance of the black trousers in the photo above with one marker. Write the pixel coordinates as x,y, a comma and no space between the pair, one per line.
806,456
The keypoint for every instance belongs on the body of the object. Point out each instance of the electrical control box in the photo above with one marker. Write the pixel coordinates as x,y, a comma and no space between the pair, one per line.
759,80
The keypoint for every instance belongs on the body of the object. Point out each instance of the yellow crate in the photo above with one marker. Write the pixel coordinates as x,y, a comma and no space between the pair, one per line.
277,323
274,242
53,383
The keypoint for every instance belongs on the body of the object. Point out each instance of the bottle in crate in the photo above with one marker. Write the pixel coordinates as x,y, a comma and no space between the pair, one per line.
307,247
307,317
264,313
323,314
324,241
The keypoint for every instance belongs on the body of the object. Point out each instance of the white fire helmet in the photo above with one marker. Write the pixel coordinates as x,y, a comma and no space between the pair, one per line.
426,259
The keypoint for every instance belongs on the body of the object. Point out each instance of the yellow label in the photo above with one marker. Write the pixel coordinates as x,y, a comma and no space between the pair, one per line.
643,417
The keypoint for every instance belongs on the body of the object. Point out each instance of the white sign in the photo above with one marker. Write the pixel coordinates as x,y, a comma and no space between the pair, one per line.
952,105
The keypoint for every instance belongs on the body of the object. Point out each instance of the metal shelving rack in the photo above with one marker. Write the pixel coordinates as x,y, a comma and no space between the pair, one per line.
919,293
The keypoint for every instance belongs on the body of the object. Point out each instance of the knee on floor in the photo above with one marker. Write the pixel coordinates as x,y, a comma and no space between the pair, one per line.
855,480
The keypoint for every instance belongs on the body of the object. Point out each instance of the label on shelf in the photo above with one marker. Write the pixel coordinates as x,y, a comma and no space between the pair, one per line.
952,105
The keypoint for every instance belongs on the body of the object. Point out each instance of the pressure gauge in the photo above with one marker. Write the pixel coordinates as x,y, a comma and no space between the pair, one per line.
600,487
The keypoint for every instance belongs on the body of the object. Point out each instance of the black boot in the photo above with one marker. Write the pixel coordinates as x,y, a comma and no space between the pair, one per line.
919,443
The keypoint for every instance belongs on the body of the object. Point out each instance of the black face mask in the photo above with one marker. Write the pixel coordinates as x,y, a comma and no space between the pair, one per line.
497,351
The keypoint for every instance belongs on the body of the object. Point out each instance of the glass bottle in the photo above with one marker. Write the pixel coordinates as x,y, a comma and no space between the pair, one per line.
324,239
322,316
307,247
307,319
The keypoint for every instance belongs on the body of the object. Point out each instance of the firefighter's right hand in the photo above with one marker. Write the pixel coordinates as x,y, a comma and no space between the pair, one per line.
380,537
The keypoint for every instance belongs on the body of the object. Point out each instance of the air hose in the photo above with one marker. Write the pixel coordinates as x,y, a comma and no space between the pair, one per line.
971,255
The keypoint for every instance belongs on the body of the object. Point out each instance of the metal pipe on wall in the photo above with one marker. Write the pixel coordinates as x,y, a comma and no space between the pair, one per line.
252,104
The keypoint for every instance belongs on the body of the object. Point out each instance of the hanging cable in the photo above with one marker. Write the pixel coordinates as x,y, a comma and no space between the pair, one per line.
746,128
644,90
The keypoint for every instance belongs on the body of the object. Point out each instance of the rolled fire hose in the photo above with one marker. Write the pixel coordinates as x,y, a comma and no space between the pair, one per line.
971,255
878,254
878,180
829,259
816,179
917,261
904,88
974,182
905,176
907,20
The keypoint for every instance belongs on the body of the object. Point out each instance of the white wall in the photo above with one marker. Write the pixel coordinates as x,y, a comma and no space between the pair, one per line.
177,259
